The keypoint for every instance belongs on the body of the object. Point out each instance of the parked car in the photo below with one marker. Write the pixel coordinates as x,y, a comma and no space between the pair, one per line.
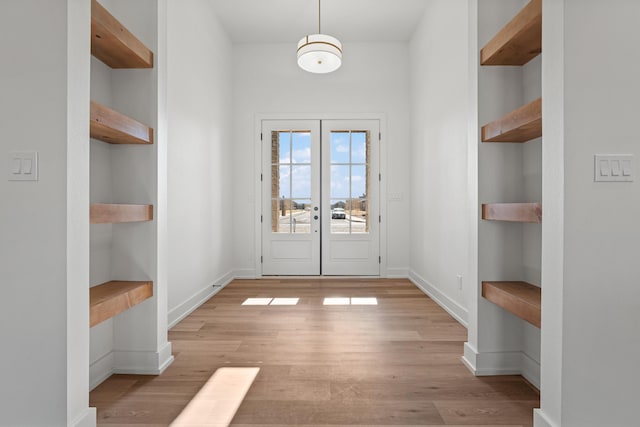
337,213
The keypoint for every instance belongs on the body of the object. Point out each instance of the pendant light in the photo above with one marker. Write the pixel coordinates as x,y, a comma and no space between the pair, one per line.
319,53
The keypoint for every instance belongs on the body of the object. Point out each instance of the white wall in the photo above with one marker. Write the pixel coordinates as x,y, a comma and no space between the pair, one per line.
599,285
44,224
200,155
440,234
373,79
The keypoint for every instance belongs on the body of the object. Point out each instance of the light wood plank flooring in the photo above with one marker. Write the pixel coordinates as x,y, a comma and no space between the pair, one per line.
392,364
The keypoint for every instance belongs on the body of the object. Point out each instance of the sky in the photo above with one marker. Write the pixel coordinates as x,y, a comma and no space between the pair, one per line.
348,168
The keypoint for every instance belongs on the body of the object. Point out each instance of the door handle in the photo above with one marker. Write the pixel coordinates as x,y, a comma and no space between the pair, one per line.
315,217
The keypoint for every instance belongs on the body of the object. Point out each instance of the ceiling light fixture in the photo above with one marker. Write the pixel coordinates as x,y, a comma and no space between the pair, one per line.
319,53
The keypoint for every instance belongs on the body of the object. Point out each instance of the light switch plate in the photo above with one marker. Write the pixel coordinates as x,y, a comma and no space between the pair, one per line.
23,166
614,168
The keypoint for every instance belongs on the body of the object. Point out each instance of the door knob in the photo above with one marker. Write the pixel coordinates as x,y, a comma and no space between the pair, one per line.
315,217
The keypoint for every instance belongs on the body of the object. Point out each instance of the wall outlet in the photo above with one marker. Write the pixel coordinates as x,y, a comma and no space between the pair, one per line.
459,281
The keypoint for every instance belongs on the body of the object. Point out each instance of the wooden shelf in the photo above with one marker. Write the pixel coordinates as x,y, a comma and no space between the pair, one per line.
111,298
519,298
521,125
111,213
513,212
113,44
519,41
110,126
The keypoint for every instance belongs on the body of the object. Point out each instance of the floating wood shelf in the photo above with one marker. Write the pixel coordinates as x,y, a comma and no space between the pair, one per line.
520,298
110,126
111,298
111,214
519,41
513,212
521,125
113,44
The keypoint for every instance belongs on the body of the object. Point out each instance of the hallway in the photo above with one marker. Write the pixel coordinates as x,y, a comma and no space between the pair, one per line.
394,363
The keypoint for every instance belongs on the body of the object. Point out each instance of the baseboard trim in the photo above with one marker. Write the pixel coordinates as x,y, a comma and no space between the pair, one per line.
531,370
100,370
87,418
540,419
501,363
200,297
245,274
142,362
397,273
457,311
469,357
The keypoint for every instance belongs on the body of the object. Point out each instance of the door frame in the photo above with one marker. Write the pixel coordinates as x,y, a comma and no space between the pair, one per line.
257,171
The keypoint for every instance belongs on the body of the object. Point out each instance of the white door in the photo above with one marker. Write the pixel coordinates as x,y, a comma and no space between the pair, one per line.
350,197
320,197
291,197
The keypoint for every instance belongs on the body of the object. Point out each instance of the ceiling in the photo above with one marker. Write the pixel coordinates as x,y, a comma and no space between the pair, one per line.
287,21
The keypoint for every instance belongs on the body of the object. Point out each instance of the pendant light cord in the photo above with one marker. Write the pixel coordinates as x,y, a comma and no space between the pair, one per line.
319,31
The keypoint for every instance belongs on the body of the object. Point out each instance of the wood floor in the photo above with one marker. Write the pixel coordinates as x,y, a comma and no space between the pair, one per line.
395,363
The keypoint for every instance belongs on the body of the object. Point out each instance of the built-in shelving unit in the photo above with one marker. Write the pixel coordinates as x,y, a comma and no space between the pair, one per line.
521,125
519,41
112,214
124,173
113,44
519,298
512,212
111,298
110,126
508,261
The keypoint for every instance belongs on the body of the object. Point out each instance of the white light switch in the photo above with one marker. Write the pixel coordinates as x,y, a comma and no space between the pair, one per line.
16,165
23,166
614,168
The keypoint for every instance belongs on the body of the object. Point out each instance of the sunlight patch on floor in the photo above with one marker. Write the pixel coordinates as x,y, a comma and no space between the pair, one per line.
285,301
218,400
350,301
257,301
364,301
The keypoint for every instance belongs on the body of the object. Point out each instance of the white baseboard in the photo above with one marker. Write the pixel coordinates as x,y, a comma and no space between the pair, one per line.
450,306
397,273
86,419
142,362
540,419
469,357
190,305
245,274
501,363
531,370
100,370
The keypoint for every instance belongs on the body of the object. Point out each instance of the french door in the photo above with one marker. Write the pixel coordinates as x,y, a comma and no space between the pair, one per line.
320,197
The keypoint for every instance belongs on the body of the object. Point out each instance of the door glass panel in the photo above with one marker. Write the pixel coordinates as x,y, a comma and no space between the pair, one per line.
350,181
301,180
339,222
358,181
339,147
340,181
301,217
283,147
301,147
359,147
284,182
289,148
